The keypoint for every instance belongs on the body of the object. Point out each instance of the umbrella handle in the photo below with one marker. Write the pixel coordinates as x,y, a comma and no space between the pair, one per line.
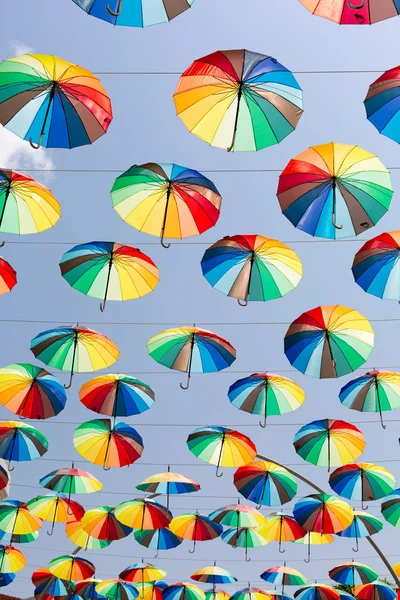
2,244
38,145
156,554
186,387
106,468
194,548
282,551
356,548
102,306
244,303
364,507
217,473
263,425
163,244
356,6
117,12
10,468
334,224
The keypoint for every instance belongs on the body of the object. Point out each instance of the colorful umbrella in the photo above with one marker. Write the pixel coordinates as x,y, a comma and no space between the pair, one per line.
251,268
168,484
323,513
31,392
141,14
283,576
109,446
353,573
16,518
21,442
239,100
222,447
71,481
142,513
78,536
266,394
157,539
329,442
152,590
275,595
280,527
382,101
376,391
52,102
12,560
311,538
329,341
166,200
317,591
334,191
237,515
7,578
347,12
56,509
362,525
396,568
8,277
75,349
213,575
362,481
4,478
345,595
216,594
250,593
198,528
109,271
28,538
244,538
141,573
102,524
391,508
117,589
375,591
47,585
87,589
71,568
265,483
183,591
116,395
191,350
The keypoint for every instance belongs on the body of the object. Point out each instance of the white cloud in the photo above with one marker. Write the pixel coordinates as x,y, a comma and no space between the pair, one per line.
17,154
19,48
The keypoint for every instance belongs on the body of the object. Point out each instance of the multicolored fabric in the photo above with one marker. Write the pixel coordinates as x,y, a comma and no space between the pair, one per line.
8,276
183,591
198,528
376,266
87,589
382,102
168,483
157,539
376,391
353,573
116,395
56,508
221,446
362,525
283,575
47,584
375,591
71,481
323,513
101,523
143,514
12,560
391,508
16,518
281,527
71,568
265,483
78,536
142,572
317,591
346,12
152,590
362,481
214,575
117,589
21,442
237,515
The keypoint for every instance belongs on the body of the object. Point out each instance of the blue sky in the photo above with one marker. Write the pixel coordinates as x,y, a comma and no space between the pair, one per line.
144,129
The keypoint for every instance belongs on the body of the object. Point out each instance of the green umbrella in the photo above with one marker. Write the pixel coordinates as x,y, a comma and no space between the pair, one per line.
244,537
391,508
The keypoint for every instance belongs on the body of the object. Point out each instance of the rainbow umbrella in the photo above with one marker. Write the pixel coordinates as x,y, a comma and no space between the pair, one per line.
31,392
239,100
216,594
109,271
142,513
87,589
71,481
168,484
329,341
375,591
283,576
347,12
362,481
6,579
141,573
323,513
353,573
102,443
245,537
222,447
280,527
376,391
334,191
362,525
329,442
345,595
198,528
311,538
4,478
116,395
265,483
16,518
12,560
78,536
117,589
213,575
152,590
191,350
166,200
52,102
102,524
21,442
251,268
391,508
157,539
75,349
237,515
47,585
183,591
275,595
250,593
317,591
8,277
266,394
56,509
142,14
396,568
382,101
71,567
28,538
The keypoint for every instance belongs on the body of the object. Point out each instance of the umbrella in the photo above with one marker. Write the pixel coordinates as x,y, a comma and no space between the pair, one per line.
317,591
183,591
245,537
21,442
78,536
376,391
216,594
4,478
345,595
141,14
239,100
391,508
375,591
166,200
71,481
362,525
213,575
329,341
396,568
251,268
334,191
16,518
266,394
382,103
52,102
56,509
102,524
7,578
142,573
28,538
87,589
117,589
47,584
323,513
31,392
283,576
109,271
191,350
198,528
116,395
250,593
8,277
312,538
362,481
349,12
222,447
168,484
71,567
329,442
275,595
280,527
152,590
353,573
237,515
101,443
142,513
265,483
157,539
12,560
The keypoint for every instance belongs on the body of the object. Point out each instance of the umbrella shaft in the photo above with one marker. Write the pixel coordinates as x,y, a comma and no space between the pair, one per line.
166,209
52,92
8,190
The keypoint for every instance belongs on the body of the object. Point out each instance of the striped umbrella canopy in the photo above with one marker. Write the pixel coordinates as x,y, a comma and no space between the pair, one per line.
157,539
16,518
265,483
376,391
31,392
312,538
166,200
362,525
12,560
55,508
391,508
323,513
382,100
87,589
183,591
250,593
329,341
6,579
334,191
8,277
276,595
169,484
47,585
213,575
116,395
71,481
21,442
101,523
222,447
78,536
52,102
251,268
76,349
396,568
283,575
152,590
109,271
216,594
142,513
245,537
329,442
191,350
266,394
141,573
345,12
15,538
317,591
281,527
353,573
239,100
375,591
71,567
345,595
102,443
238,515
117,589
192,526
4,478
362,481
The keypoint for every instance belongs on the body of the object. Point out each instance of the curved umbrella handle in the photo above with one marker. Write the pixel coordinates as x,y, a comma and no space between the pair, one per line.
263,425
102,305
185,387
364,507
163,244
334,224
356,6
106,468
194,547
2,244
38,145
10,468
356,548
242,303
117,12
